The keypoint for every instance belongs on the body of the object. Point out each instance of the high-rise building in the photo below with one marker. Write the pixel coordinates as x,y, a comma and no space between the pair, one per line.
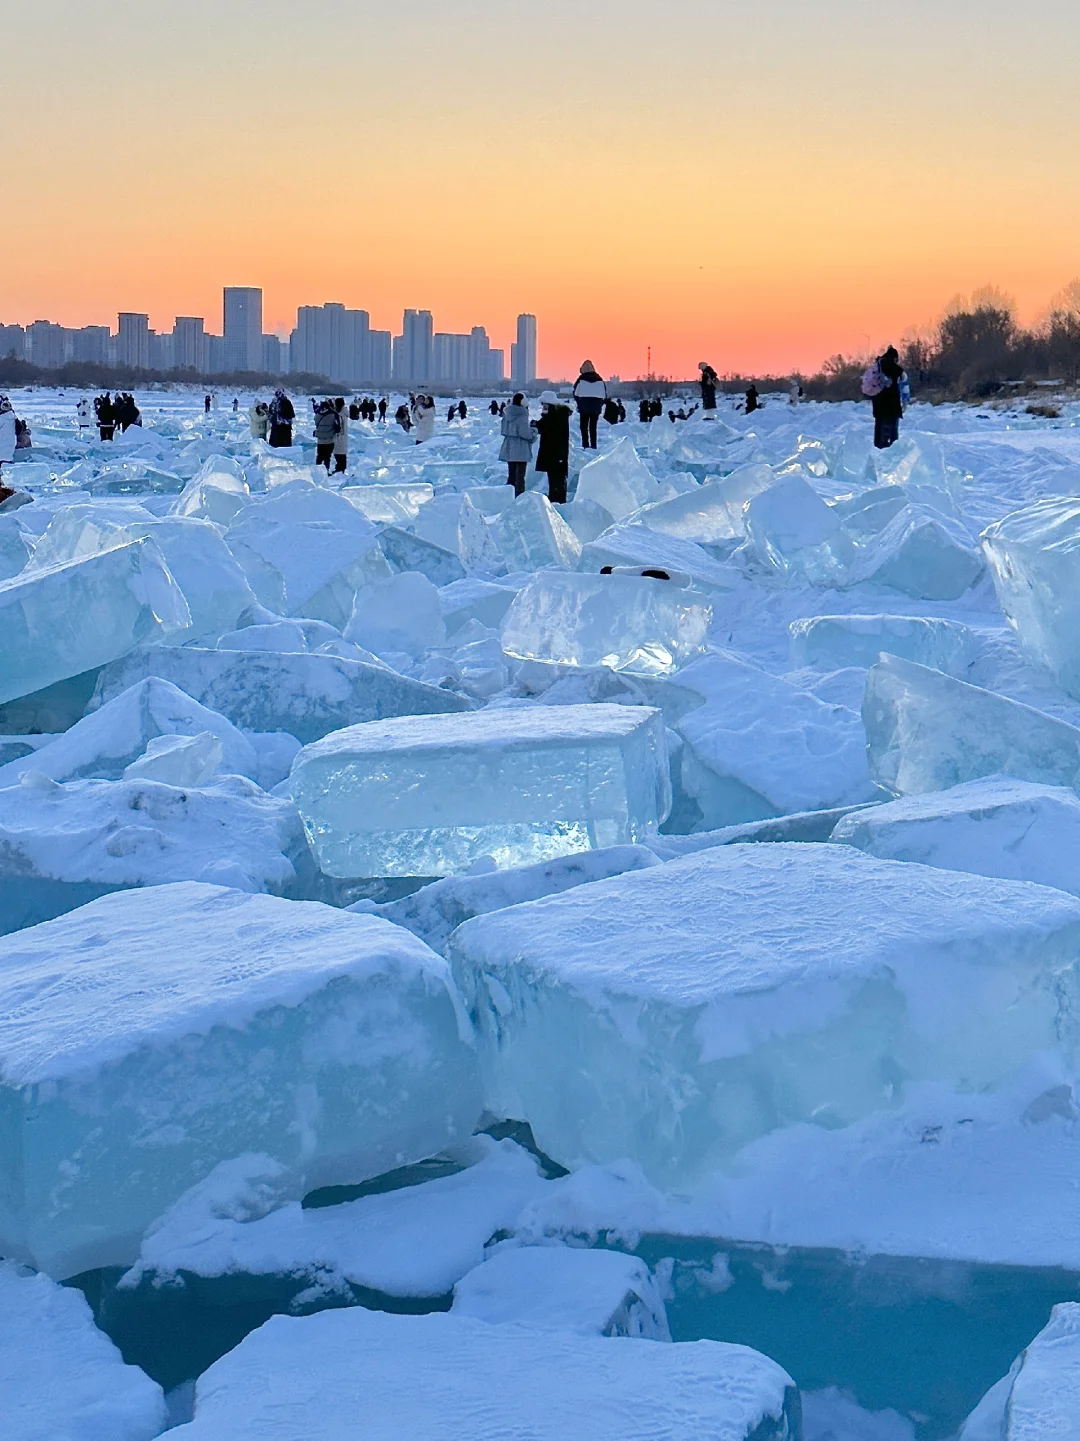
275,355
133,340
90,345
334,342
12,342
523,352
189,343
243,328
414,349
381,350
46,344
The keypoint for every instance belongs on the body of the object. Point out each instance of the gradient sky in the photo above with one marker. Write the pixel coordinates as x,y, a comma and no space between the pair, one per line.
758,184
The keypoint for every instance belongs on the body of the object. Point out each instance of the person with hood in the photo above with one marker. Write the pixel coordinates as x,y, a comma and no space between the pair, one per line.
341,440
403,418
259,418
553,457
327,426
753,400
206,401
517,443
462,410
82,411
451,414
106,416
645,411
280,415
493,408
709,381
887,404
590,392
7,435
423,416
383,407
611,411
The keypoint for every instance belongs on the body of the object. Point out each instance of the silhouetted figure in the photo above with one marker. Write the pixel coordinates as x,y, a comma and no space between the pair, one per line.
281,415
127,412
451,414
384,405
494,407
753,401
106,416
355,411
885,397
403,418
206,405
341,440
235,405
622,411
644,411
327,425
553,457
709,381
590,393
657,408
517,443
611,411
462,410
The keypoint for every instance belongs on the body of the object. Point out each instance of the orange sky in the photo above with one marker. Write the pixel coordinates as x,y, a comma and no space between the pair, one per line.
760,186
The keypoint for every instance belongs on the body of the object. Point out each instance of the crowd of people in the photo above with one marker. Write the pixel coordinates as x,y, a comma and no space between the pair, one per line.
110,414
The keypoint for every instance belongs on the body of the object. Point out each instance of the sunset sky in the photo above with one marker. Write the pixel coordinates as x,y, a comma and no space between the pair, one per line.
760,185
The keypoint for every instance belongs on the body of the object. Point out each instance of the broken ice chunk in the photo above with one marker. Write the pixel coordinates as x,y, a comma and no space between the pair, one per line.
562,1288
429,797
793,532
396,504
674,1015
1034,558
832,642
154,1033
637,545
62,620
715,512
178,760
620,481
626,623
531,533
401,613
1040,1397
928,732
919,553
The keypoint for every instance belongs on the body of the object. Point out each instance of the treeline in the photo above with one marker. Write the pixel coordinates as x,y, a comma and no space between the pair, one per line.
975,351
85,375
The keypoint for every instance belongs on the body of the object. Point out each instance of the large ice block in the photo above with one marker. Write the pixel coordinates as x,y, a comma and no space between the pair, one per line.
405,551
993,827
714,514
394,504
531,533
1034,558
16,547
627,623
919,553
155,1033
401,613
672,1016
214,586
448,1378
1039,1399
637,545
304,695
619,480
430,796
216,492
928,732
59,621
794,532
832,642
61,1379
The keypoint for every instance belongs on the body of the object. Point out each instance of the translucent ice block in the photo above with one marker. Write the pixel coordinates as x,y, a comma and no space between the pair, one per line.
793,532
216,492
1034,558
531,534
928,732
426,796
637,545
389,504
673,1016
63,620
714,513
448,1378
833,642
619,480
401,613
627,623
919,553
155,1033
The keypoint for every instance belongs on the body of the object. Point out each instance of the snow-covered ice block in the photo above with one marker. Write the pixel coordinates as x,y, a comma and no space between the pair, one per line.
480,600
994,827
619,480
919,553
401,613
64,845
928,732
562,1288
832,642
757,746
1034,558
434,911
60,621
531,534
16,547
868,514
216,492
429,797
714,513
415,1240
303,695
1039,1399
626,623
178,760
405,551
394,504
104,743
637,545
61,1379
585,518
155,1033
447,1377
306,551
672,1016
478,543
795,533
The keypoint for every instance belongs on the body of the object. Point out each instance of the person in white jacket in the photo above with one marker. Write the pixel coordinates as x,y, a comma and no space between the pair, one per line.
423,417
590,392
7,435
341,440
82,410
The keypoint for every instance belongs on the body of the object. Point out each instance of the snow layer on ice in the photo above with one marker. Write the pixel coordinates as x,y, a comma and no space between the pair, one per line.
831,642
1040,1397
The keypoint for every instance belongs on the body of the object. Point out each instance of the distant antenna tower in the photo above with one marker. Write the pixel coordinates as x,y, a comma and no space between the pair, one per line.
648,370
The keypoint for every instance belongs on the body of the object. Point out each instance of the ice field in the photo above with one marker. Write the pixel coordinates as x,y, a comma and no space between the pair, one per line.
455,985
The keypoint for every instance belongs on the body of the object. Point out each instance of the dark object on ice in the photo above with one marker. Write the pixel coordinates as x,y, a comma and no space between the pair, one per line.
753,401
354,411
645,411
383,408
106,416
206,404
327,425
281,416
403,418
709,382
493,408
127,412
611,411
451,414
553,457
462,409
590,393
646,572
887,404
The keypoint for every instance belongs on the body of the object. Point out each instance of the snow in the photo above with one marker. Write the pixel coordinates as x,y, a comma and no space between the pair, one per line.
61,1379
429,797
1040,1397
202,1023
444,1377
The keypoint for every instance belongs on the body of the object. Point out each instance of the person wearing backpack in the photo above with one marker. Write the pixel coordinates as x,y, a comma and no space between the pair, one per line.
327,427
553,457
590,392
881,386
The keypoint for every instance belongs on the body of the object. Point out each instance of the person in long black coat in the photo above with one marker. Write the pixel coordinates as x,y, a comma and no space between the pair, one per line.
281,417
553,457
888,404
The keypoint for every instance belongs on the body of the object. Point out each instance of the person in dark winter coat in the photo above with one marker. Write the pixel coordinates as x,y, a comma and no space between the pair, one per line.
462,410
327,424
611,411
206,404
383,407
106,416
645,411
590,393
403,418
281,416
518,440
888,404
493,408
553,457
709,381
753,400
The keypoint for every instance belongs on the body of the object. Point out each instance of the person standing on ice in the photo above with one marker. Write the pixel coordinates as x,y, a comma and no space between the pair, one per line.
106,416
327,426
553,457
206,405
423,417
462,410
383,407
753,399
881,384
281,416
7,435
590,392
259,418
517,443
341,440
82,410
709,381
